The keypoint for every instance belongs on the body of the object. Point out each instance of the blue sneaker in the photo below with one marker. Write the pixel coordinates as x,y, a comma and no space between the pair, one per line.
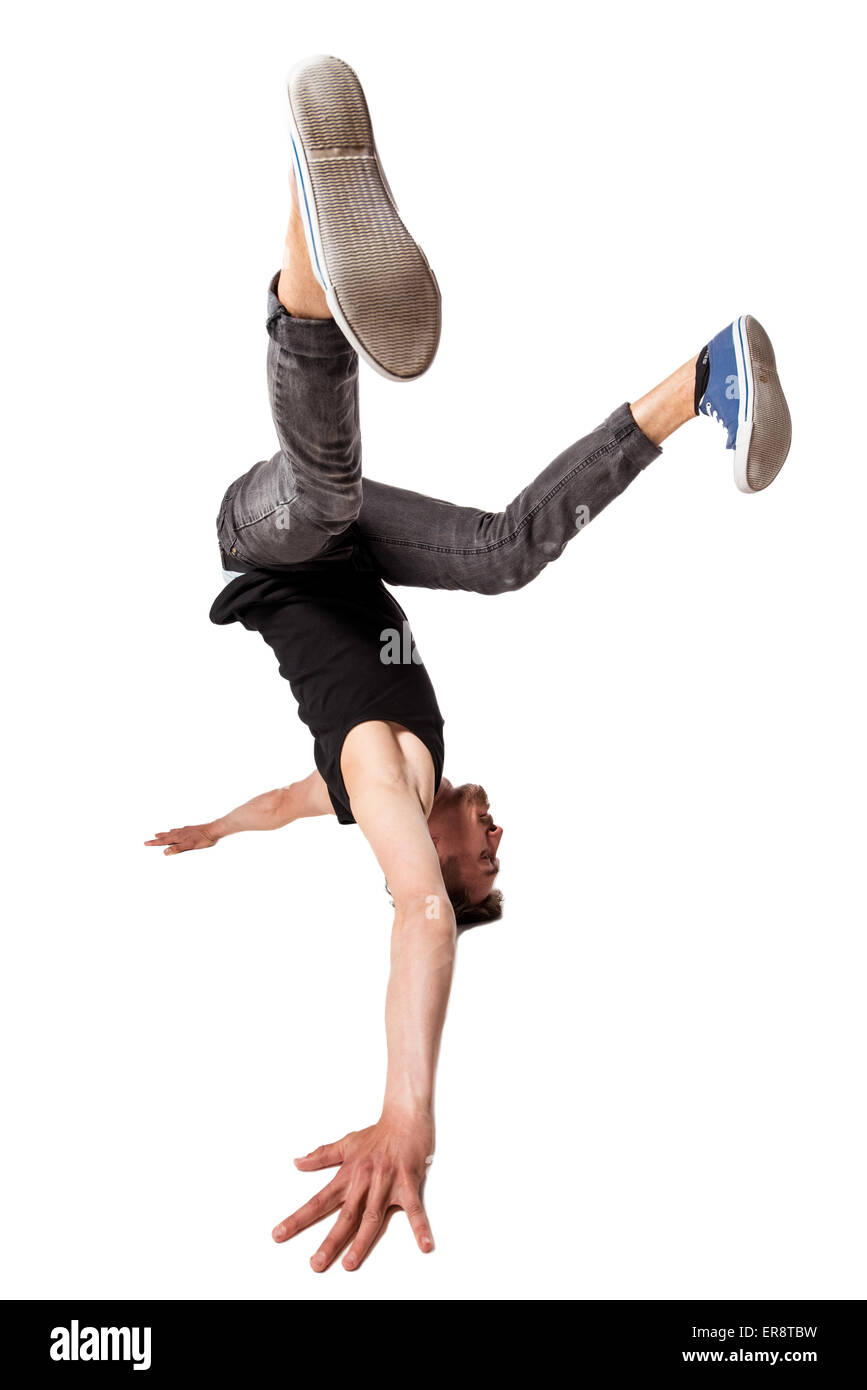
744,394
377,281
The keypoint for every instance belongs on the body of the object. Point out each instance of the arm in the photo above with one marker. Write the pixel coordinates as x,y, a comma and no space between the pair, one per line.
269,811
422,940
385,1165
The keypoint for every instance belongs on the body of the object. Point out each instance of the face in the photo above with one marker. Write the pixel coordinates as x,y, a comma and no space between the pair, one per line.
462,828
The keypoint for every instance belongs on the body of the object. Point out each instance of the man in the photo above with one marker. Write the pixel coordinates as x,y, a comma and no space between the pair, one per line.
306,547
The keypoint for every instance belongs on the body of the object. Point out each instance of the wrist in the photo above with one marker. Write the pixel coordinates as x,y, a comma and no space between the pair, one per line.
411,1112
217,829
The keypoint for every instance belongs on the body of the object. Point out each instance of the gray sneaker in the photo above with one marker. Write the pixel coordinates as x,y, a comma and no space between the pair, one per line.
377,281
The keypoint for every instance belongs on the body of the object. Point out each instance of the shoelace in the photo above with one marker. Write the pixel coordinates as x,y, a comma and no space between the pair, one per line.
713,414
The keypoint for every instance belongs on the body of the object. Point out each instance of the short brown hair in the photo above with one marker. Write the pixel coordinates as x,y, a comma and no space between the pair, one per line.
468,914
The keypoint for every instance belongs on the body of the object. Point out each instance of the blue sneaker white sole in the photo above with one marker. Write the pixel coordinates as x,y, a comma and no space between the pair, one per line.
377,281
764,424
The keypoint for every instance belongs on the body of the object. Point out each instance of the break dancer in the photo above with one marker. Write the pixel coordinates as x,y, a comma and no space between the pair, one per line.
307,547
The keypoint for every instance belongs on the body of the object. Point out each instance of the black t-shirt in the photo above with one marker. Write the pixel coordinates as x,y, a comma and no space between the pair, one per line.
344,645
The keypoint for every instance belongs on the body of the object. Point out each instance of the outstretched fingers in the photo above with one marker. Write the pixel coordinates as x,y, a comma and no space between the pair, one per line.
376,1204
168,841
340,1234
319,1206
372,1183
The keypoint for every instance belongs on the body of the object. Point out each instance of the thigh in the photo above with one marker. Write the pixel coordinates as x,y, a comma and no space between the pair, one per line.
426,542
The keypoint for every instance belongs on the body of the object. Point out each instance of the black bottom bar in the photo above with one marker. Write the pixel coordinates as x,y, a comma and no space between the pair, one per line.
251,1339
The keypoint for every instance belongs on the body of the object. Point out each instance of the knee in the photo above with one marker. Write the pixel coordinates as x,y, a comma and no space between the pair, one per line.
332,510
516,566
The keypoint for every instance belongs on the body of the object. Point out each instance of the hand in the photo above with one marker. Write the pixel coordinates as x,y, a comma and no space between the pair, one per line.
380,1167
188,837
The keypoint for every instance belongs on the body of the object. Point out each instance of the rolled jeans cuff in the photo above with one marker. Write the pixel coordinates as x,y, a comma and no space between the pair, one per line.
634,443
304,337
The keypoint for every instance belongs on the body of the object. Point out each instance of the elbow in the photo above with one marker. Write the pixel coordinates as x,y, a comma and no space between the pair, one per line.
278,805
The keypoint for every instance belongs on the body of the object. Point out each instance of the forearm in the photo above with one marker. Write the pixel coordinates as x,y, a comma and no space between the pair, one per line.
276,808
422,963
269,811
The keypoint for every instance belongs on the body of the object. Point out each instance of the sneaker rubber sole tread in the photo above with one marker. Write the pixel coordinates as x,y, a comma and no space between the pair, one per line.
771,434
379,281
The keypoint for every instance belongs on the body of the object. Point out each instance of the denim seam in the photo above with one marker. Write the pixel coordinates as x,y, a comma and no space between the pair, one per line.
264,517
280,505
525,521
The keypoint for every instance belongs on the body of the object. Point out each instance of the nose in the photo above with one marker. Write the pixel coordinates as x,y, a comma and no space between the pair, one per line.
496,836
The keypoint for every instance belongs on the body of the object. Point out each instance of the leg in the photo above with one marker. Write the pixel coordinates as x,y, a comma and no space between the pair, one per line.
669,405
420,541
298,505
432,544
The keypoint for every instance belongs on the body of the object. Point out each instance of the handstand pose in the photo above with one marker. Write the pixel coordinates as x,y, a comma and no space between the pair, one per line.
306,546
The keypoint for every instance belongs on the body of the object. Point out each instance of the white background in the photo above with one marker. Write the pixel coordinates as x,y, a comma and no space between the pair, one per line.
652,1073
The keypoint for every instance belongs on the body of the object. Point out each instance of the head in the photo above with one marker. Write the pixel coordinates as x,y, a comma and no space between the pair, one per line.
467,840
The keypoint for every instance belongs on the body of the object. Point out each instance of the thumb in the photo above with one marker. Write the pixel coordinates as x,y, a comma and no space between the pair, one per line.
326,1156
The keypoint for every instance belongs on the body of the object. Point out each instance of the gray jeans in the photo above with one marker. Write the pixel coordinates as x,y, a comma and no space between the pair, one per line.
309,504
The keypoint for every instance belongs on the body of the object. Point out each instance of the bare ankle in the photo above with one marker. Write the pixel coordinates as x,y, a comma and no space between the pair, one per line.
668,406
298,290
300,298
